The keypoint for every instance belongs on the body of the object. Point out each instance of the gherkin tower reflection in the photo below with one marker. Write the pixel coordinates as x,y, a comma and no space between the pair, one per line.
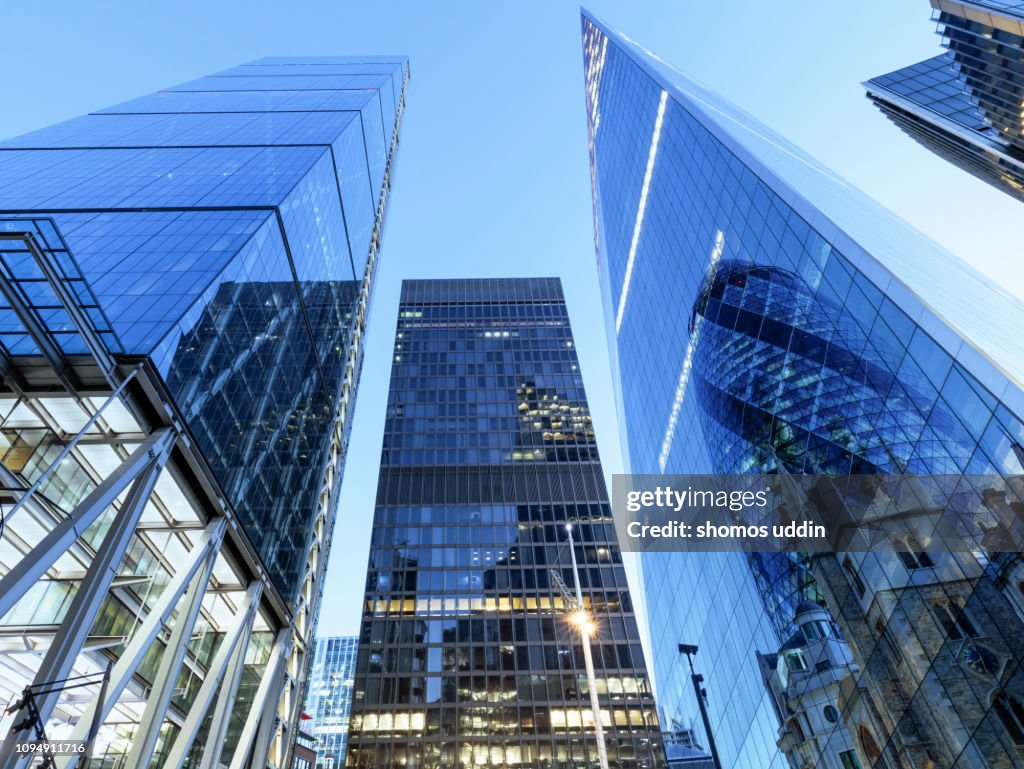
787,382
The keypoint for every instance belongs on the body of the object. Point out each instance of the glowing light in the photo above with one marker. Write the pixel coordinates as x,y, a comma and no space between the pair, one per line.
651,157
582,620
684,373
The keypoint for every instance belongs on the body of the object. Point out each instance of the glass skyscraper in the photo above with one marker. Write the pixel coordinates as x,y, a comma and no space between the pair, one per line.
467,657
185,282
764,316
329,697
965,105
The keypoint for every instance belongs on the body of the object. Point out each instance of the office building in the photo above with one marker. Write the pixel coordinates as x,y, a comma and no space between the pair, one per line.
305,751
965,104
467,654
185,283
329,698
766,317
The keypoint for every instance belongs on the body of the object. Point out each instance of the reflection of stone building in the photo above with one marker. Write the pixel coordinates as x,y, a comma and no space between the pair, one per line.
805,678
466,655
305,754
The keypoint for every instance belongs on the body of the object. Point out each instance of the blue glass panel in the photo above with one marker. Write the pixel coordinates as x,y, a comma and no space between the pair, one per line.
767,317
287,83
242,101
356,192
189,130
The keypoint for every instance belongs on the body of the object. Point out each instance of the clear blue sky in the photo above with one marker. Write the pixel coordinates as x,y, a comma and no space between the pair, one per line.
492,176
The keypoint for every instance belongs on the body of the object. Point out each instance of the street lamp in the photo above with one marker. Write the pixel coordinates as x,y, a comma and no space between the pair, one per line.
587,627
702,695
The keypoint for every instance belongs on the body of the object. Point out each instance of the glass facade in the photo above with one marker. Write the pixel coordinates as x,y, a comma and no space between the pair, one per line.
224,226
466,654
186,279
988,48
329,698
764,316
965,104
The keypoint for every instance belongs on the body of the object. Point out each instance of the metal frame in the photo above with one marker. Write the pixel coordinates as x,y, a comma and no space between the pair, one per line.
228,650
268,735
216,539
201,564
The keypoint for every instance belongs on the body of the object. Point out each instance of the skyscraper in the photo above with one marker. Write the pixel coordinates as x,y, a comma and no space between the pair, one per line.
467,656
965,105
329,698
765,316
186,279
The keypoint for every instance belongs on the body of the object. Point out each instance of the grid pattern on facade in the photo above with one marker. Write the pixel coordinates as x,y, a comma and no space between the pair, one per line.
783,345
221,236
466,656
934,103
934,85
329,698
205,259
990,62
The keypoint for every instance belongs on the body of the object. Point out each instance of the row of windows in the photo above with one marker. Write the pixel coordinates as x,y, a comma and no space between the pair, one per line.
524,655
468,425
518,435
493,721
427,606
482,581
387,690
477,533
517,385
570,753
572,396
402,633
484,311
508,374
525,333
523,514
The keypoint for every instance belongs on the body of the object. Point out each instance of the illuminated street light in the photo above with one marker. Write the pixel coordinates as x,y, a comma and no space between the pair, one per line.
587,627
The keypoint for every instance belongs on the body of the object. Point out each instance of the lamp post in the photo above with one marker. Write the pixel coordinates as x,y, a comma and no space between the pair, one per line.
587,627
689,650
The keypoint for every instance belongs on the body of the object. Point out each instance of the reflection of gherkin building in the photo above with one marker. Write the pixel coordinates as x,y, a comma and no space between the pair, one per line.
787,383
764,316
466,656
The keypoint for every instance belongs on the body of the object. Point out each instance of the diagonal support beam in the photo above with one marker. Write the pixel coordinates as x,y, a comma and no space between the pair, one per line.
72,305
35,564
238,633
166,677
32,323
200,560
264,706
30,492
93,589
213,744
